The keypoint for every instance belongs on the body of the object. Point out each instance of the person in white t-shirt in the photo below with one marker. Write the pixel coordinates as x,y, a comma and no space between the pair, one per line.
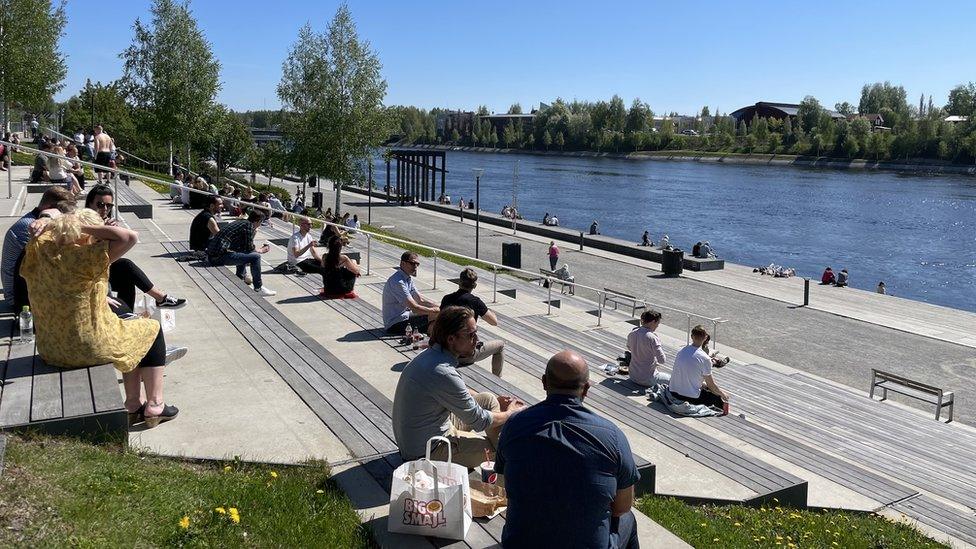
302,252
691,379
646,352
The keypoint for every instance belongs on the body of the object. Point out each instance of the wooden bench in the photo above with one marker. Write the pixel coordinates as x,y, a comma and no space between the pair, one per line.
127,200
551,277
34,396
617,297
887,381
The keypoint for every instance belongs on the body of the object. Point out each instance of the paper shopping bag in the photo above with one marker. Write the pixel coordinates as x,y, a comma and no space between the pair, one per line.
431,498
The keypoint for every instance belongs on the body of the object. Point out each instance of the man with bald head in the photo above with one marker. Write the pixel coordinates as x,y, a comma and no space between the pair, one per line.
569,473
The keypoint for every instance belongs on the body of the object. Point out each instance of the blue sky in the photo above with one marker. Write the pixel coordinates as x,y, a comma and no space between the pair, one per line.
677,56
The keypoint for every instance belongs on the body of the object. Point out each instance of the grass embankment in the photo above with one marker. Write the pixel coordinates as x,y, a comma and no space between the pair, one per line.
779,527
62,492
418,247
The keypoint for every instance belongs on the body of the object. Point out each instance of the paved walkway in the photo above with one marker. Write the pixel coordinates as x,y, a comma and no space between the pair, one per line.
840,348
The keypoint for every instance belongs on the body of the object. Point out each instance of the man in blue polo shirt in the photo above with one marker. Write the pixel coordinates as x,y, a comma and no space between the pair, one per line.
402,303
569,473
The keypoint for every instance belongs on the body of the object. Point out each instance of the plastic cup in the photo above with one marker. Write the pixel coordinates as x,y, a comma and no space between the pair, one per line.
488,472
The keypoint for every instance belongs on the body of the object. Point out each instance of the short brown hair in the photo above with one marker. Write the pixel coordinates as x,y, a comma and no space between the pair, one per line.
650,315
699,331
450,321
54,195
468,279
408,256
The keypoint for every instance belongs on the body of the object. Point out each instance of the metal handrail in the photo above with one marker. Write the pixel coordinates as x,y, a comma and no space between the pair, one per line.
602,293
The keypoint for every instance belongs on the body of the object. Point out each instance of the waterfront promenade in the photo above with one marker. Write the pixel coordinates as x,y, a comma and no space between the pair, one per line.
841,336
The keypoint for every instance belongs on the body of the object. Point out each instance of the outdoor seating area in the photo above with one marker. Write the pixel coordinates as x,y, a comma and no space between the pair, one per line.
780,445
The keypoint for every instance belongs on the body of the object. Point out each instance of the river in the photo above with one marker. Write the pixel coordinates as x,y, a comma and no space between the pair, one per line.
916,233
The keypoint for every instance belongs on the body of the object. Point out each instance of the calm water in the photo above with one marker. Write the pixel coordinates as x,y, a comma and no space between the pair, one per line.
916,233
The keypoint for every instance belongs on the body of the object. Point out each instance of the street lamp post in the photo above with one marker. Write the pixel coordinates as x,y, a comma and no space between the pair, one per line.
369,192
477,213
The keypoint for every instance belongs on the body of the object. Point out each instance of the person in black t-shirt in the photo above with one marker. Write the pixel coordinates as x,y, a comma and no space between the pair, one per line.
464,298
204,225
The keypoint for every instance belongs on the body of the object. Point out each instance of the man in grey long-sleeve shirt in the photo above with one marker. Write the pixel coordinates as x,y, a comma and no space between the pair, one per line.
646,352
432,400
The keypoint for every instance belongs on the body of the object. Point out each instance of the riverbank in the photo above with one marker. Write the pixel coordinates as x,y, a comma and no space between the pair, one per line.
925,167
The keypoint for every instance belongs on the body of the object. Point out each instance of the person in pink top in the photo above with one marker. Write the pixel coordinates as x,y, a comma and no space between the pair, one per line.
553,255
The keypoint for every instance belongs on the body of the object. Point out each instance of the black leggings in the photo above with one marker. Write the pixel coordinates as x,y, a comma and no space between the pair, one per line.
156,355
706,397
311,266
124,277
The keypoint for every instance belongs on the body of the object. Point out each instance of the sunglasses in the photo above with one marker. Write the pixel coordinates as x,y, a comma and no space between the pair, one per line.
414,263
105,205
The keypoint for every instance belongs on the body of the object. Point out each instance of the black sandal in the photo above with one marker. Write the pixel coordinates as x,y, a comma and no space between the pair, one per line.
168,413
137,416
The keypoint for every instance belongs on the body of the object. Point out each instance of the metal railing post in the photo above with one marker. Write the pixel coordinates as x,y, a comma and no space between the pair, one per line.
599,316
435,271
369,241
549,301
494,286
688,334
715,334
10,170
115,184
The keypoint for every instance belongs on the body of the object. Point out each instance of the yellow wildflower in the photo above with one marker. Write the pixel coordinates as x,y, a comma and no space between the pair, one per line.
221,510
235,517
274,474
737,524
185,522
715,540
226,468
320,491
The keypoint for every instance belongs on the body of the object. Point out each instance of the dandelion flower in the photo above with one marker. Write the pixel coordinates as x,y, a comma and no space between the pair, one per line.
235,517
274,474
221,510
227,468
185,522
737,524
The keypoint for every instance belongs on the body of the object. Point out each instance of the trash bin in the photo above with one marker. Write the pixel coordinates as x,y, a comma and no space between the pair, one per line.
317,200
512,254
672,262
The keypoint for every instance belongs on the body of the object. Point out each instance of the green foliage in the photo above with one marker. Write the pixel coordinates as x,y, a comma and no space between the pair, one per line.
170,73
962,100
332,87
69,493
228,142
888,100
32,66
515,109
779,527
111,111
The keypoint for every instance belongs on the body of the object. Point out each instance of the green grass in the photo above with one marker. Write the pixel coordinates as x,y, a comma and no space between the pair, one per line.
416,246
779,527
62,492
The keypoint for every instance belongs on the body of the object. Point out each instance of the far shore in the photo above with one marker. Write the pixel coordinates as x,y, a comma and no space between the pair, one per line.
927,167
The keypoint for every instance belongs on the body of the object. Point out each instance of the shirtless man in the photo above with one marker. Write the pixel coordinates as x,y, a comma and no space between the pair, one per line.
103,154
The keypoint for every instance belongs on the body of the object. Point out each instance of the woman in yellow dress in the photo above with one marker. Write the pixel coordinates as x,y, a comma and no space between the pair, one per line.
66,269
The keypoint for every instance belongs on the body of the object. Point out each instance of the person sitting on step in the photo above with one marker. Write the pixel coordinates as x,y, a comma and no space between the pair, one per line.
66,268
204,226
402,303
234,245
646,352
691,379
124,276
569,473
339,279
301,250
432,400
563,273
463,297
842,279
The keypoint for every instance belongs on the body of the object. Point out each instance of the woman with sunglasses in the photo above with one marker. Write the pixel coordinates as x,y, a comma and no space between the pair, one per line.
124,276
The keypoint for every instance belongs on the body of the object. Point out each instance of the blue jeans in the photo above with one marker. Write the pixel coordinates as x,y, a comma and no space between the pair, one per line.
252,259
625,531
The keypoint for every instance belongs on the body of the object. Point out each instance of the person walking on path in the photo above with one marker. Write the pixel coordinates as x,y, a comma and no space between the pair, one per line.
553,255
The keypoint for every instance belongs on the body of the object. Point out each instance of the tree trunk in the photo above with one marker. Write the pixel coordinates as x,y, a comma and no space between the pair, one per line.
338,192
171,158
6,116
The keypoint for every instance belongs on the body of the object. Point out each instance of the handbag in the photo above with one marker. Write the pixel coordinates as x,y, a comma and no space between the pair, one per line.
431,498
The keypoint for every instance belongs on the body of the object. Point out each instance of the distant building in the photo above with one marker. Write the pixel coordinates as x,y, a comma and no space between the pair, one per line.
500,121
448,121
263,136
779,111
876,121
955,119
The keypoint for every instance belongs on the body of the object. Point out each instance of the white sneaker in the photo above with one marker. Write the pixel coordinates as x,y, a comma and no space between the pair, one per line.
174,353
263,291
